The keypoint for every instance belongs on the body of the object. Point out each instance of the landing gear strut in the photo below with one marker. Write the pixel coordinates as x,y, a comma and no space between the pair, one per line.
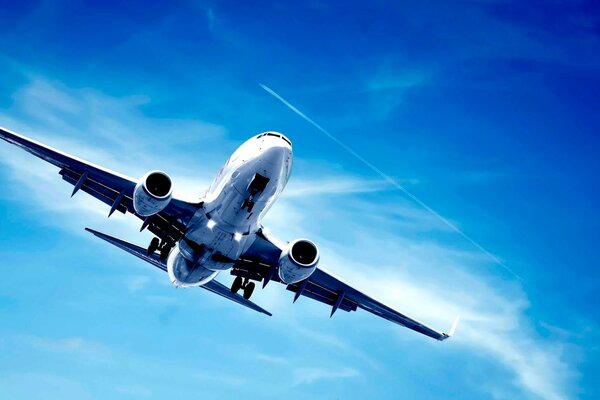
248,204
239,283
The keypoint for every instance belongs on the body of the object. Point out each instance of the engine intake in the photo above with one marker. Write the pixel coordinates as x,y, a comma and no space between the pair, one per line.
152,193
298,261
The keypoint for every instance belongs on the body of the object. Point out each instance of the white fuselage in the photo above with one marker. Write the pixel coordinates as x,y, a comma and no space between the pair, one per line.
234,205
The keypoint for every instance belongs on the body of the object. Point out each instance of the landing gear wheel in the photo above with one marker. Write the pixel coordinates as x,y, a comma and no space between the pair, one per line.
248,290
164,252
237,284
154,243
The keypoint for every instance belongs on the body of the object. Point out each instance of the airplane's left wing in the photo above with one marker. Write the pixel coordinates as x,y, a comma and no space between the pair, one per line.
260,262
110,187
212,286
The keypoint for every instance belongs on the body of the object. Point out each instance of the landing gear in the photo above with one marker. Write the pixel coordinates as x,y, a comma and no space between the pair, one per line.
164,251
248,204
239,283
154,244
248,290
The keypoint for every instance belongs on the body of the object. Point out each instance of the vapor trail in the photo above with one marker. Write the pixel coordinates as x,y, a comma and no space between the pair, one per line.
391,181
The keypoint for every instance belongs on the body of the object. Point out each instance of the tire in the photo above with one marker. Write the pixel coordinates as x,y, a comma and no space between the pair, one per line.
236,285
154,243
164,252
248,290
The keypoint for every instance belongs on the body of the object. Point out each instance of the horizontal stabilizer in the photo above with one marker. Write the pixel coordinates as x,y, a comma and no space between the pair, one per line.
212,286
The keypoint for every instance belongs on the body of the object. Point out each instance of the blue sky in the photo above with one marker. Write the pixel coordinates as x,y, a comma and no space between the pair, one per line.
485,110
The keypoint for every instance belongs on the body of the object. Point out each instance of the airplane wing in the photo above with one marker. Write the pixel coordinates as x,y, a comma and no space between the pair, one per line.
260,262
212,286
110,187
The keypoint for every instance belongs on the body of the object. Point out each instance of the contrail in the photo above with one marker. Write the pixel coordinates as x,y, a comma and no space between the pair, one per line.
391,181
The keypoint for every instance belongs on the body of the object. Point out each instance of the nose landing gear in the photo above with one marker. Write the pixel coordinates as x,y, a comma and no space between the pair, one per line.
239,283
248,204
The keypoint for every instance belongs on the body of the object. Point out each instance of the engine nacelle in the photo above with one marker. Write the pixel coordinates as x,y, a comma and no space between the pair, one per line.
152,193
184,272
298,261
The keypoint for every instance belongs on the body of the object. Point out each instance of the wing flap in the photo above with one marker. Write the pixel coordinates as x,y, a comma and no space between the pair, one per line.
96,189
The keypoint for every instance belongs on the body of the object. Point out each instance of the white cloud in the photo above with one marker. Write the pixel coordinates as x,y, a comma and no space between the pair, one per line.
137,283
434,283
333,185
308,375
85,349
224,378
34,386
134,391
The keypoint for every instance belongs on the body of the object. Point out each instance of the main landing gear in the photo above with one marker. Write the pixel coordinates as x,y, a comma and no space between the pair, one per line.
154,245
164,247
239,283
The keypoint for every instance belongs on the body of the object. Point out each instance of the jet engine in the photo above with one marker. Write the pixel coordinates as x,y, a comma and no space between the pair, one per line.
186,273
298,261
152,193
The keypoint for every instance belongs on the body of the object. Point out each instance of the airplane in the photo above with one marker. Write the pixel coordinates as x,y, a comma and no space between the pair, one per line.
194,242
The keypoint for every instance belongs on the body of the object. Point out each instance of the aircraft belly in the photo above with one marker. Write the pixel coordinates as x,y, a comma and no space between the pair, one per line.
231,215
185,272
231,212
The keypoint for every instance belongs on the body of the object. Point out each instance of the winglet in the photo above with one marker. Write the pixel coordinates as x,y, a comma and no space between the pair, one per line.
454,325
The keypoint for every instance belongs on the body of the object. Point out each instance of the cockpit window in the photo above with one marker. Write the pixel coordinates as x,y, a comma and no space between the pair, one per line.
280,137
275,135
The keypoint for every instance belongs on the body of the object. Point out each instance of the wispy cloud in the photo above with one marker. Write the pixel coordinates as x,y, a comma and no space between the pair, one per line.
137,283
308,375
494,316
333,185
135,391
51,113
73,346
38,385
223,378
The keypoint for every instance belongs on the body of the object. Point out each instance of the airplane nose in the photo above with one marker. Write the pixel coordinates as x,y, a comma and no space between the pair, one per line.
277,154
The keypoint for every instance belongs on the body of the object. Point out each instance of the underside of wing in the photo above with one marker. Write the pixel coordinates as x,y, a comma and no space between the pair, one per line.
260,263
114,189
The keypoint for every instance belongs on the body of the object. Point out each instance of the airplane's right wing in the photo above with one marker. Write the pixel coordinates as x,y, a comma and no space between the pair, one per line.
260,262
